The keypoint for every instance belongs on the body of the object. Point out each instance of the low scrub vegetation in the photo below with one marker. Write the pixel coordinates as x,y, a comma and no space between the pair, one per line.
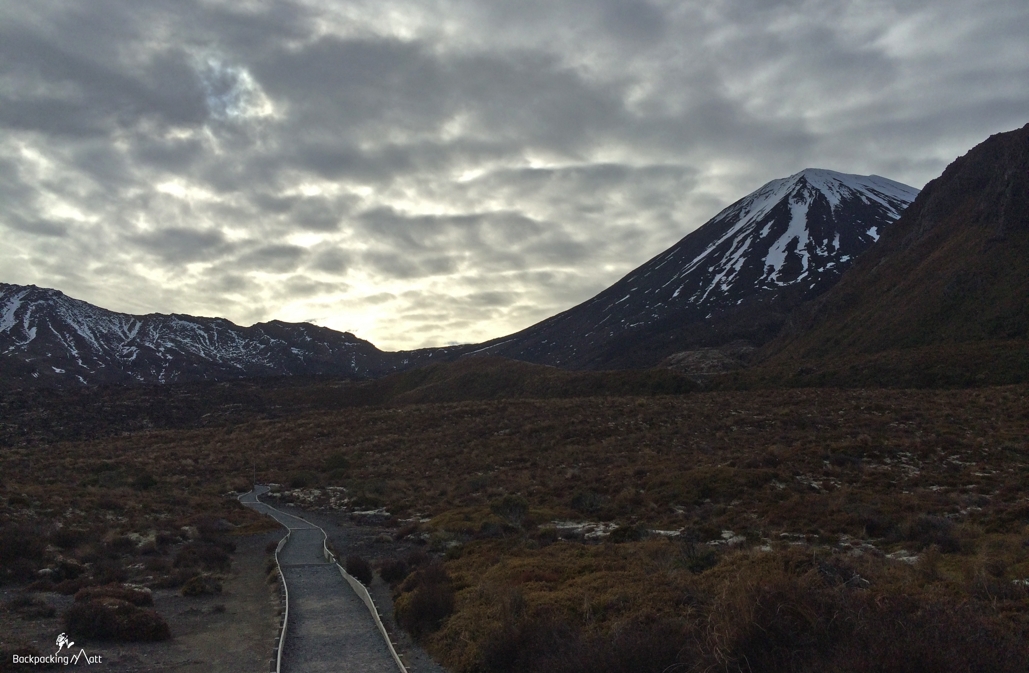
358,568
615,607
28,606
201,585
772,530
425,600
137,597
114,619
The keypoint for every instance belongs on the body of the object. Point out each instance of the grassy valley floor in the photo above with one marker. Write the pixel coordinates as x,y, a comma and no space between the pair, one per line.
792,530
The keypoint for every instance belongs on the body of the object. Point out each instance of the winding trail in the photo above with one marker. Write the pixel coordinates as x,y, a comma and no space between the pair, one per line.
328,628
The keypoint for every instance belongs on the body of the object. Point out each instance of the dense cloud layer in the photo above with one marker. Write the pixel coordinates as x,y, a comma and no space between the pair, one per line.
430,172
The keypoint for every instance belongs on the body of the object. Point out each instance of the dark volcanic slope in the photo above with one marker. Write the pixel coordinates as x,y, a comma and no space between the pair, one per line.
48,338
736,277
950,276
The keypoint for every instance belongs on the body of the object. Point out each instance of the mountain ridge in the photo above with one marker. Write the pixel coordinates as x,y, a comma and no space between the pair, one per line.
734,279
942,298
53,339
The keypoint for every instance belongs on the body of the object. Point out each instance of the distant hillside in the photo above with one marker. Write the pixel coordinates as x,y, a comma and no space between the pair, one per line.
49,339
490,378
47,414
942,298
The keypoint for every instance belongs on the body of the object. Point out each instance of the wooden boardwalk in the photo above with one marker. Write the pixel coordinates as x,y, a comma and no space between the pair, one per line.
329,627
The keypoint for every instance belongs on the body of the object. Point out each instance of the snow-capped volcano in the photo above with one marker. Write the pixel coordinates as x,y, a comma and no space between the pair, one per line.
798,229
734,277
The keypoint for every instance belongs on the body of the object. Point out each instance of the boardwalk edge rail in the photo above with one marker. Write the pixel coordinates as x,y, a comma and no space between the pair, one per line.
277,653
285,614
365,597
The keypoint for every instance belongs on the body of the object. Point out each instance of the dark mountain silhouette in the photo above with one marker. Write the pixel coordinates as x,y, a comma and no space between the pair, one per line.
943,297
48,338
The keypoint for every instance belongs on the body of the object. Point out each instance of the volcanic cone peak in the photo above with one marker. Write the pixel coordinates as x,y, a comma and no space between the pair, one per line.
792,230
735,277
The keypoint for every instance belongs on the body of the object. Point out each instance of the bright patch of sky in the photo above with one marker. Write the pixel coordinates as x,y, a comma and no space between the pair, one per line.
230,91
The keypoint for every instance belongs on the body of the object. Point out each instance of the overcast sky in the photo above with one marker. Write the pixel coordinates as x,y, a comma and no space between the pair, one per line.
435,171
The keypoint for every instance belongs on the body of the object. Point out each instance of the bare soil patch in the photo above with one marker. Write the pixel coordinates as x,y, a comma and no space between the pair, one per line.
227,633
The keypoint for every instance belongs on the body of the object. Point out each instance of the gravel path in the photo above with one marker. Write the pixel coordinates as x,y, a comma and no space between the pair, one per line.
329,626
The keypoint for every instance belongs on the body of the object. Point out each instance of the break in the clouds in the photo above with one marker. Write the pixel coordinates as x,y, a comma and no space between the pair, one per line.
448,171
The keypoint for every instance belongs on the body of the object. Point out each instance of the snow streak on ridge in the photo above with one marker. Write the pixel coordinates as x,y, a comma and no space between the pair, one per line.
749,224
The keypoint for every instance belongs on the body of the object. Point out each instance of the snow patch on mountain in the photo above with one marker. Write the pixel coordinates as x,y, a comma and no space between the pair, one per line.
8,310
752,220
797,231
